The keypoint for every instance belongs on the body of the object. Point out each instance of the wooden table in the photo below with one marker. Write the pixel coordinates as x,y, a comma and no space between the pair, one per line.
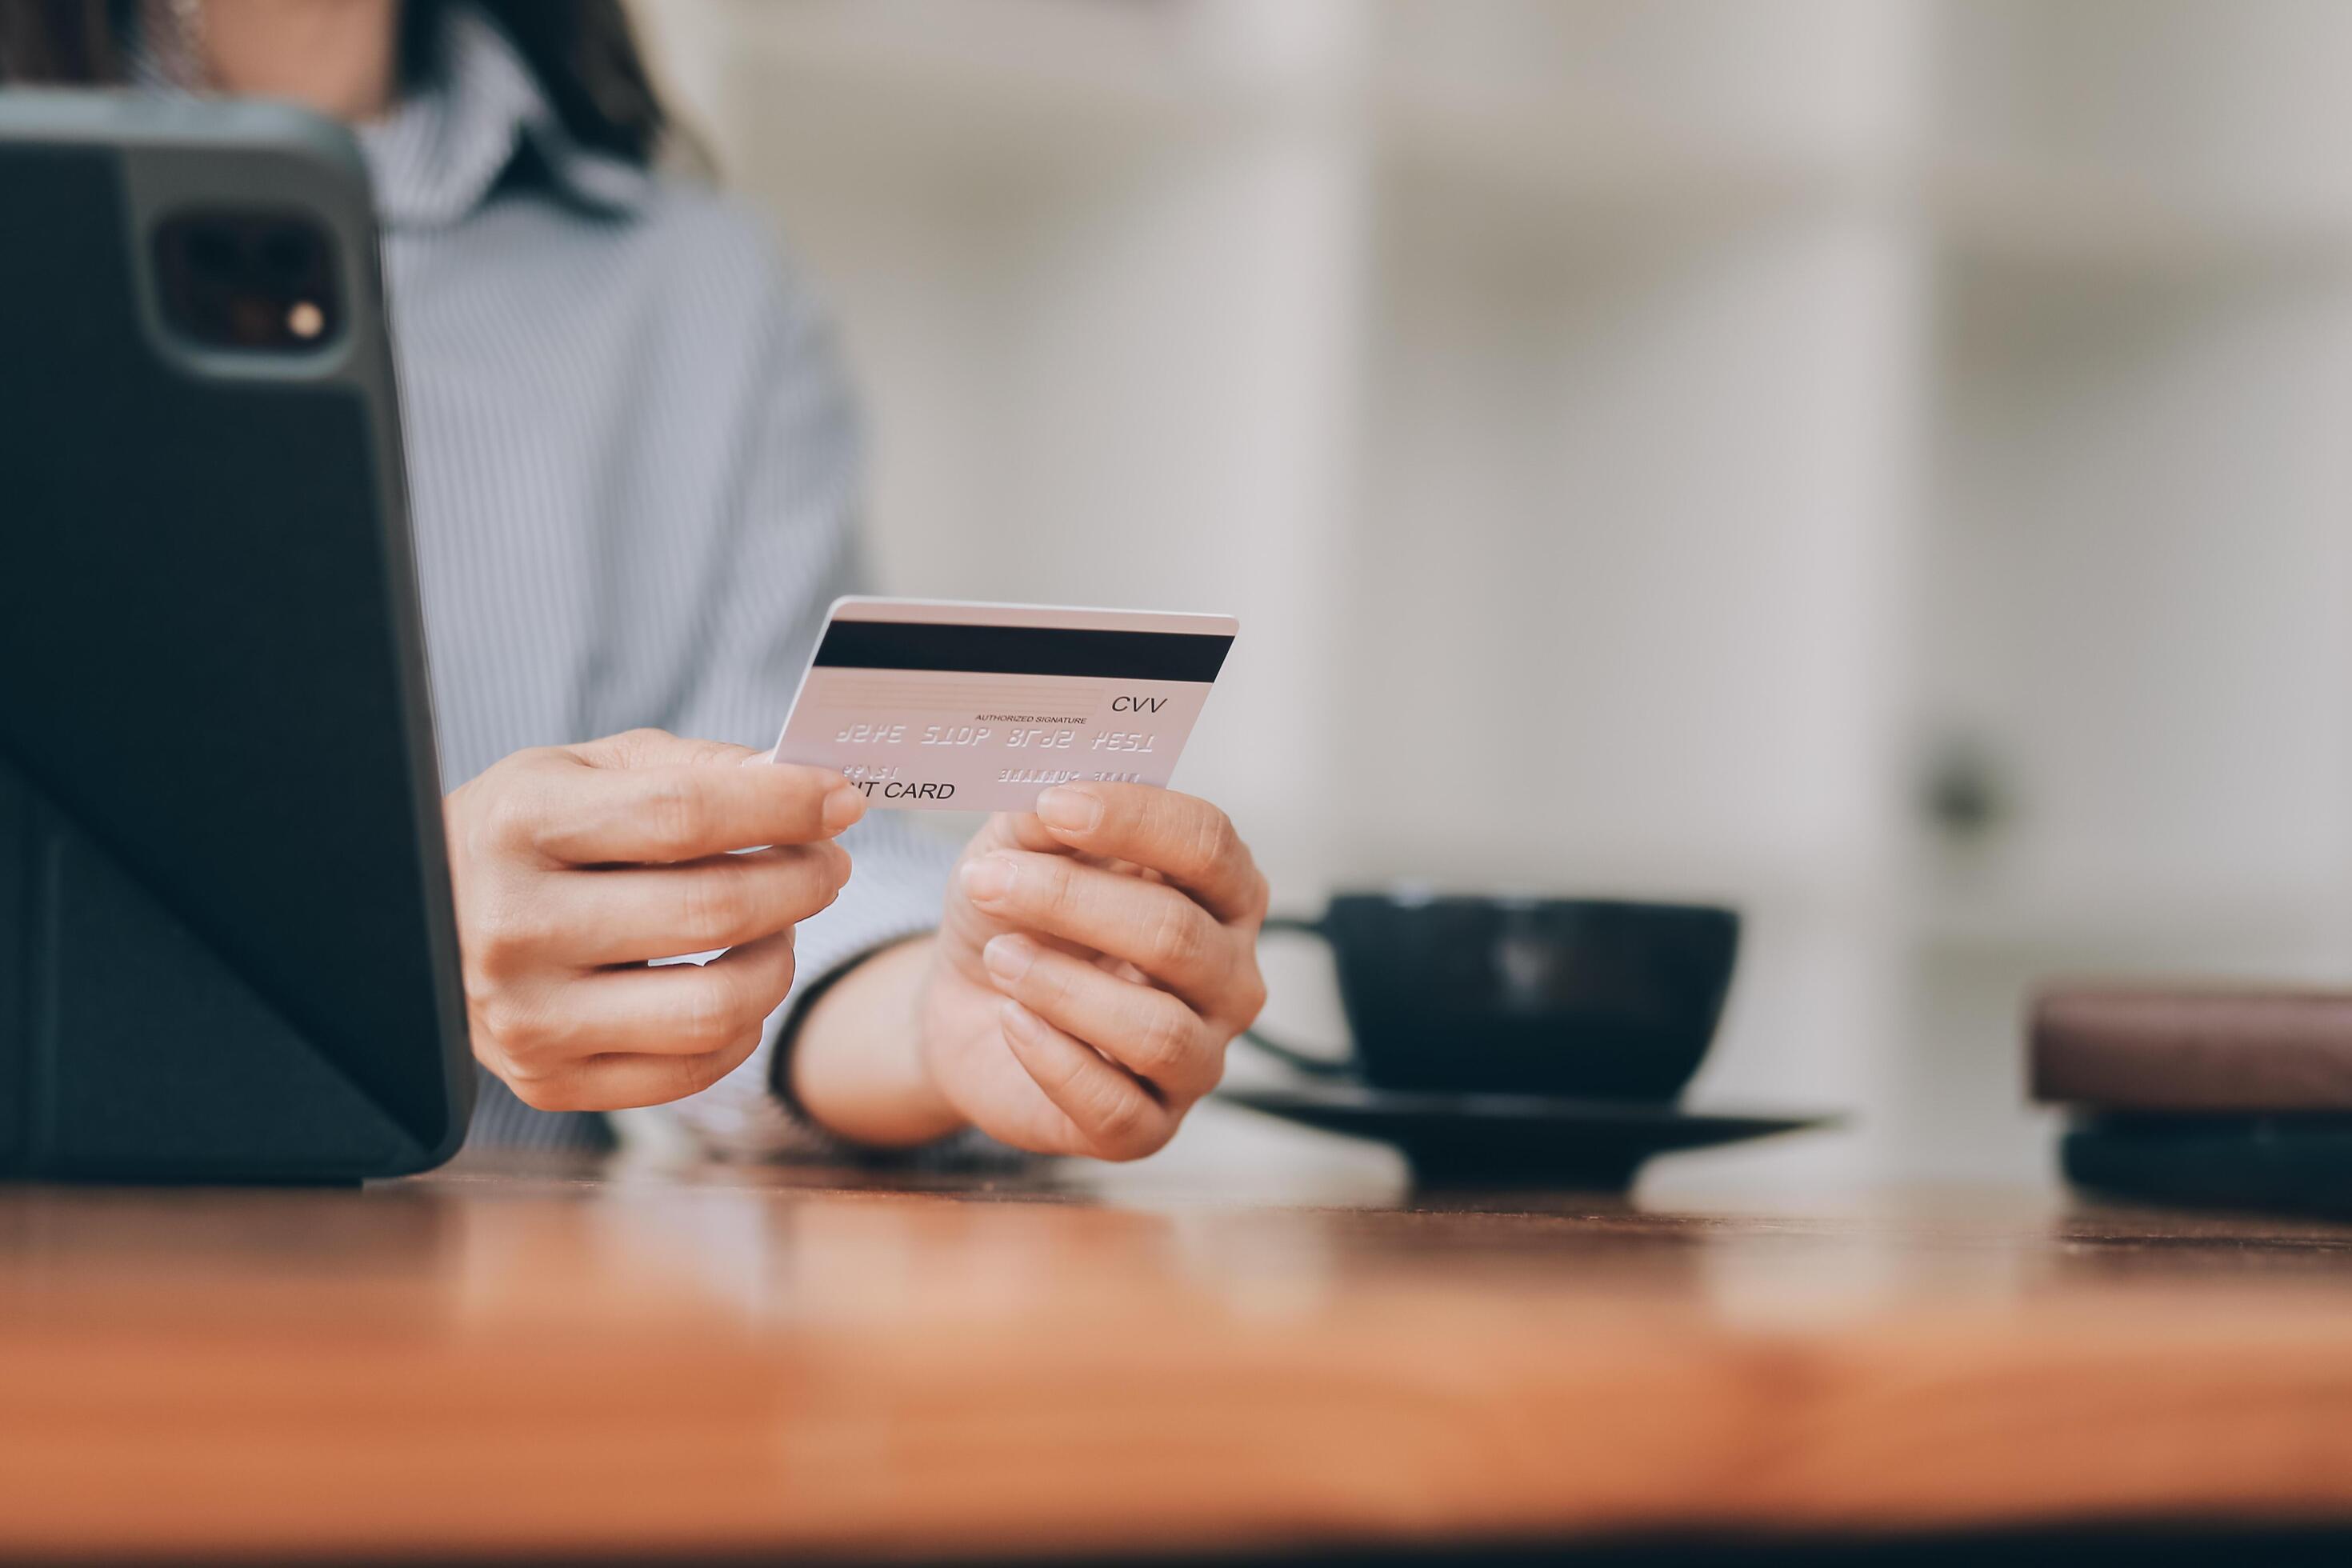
568,1358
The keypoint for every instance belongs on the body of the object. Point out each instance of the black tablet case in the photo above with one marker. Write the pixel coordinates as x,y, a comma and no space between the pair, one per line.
2299,1164
227,948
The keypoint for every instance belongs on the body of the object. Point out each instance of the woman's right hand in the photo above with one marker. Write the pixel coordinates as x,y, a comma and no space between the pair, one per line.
573,866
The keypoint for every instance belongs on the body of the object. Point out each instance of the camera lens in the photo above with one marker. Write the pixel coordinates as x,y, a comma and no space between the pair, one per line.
257,280
211,249
289,253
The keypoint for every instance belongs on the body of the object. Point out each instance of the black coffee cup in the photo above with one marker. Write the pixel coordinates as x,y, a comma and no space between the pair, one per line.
1581,998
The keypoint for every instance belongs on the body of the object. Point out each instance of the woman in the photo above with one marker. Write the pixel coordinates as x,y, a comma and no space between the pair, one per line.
634,475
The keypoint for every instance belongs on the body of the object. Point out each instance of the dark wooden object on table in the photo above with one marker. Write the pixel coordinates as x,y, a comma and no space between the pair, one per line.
2205,1051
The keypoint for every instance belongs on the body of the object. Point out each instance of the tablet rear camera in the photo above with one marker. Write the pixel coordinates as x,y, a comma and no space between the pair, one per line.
254,281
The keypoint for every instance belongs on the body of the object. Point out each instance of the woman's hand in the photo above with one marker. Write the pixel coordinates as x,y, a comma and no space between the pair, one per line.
1094,960
574,865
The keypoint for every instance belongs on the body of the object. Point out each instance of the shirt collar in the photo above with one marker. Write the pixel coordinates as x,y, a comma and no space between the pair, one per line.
438,158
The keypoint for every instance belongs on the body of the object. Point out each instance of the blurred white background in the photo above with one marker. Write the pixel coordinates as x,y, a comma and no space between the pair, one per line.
1881,463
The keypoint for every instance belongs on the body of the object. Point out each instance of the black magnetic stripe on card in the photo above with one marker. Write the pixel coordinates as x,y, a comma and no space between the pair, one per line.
1025,650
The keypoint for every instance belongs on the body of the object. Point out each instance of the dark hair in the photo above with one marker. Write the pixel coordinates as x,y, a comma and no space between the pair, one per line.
583,53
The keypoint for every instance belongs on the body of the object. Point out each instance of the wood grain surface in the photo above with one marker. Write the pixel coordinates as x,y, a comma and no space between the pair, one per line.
560,1358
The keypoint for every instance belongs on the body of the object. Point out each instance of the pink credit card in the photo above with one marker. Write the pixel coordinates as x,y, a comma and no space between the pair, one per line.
932,705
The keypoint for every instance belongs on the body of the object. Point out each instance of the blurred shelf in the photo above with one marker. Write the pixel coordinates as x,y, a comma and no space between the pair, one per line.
1542,171
2223,112
1658,101
1042,75
2097,221
1035,70
1564,160
2158,917
1812,79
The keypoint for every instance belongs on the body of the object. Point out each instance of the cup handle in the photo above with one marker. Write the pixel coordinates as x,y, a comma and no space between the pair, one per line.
1318,1066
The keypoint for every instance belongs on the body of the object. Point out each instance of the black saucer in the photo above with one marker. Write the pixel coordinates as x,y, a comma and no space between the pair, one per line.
1490,1140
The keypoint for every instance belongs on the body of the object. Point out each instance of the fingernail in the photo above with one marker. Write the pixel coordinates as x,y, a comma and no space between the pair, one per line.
1071,810
844,805
1020,1023
989,878
1009,956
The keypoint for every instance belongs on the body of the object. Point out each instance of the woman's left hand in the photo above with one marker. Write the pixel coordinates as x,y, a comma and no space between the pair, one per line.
1095,959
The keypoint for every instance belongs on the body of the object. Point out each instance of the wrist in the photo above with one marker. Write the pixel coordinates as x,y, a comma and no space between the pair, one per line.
854,1061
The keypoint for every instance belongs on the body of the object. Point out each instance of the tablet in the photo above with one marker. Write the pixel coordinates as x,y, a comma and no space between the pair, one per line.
226,944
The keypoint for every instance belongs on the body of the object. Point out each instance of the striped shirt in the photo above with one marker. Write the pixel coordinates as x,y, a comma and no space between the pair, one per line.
634,472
